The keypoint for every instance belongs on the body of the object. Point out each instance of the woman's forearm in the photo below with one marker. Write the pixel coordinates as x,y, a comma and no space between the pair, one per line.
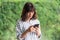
24,34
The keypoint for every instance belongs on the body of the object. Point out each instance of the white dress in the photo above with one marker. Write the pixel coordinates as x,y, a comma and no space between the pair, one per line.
23,26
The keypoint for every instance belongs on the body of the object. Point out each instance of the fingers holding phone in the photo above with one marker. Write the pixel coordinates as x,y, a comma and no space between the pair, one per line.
31,29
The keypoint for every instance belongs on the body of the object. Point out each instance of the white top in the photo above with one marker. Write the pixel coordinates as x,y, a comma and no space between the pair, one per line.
22,26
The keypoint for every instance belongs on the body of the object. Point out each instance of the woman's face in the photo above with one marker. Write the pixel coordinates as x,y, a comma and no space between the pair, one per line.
30,14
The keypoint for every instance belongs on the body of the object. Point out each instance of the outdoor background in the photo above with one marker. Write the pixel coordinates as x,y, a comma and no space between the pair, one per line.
48,12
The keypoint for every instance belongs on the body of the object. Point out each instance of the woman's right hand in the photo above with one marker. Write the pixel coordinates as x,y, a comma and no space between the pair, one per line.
31,29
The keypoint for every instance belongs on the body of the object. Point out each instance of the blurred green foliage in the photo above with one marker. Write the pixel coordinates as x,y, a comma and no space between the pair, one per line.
48,13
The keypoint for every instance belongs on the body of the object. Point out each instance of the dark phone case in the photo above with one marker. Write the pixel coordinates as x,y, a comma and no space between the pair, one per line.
36,25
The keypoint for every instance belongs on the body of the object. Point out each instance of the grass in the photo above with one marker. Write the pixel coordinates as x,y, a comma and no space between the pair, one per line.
48,12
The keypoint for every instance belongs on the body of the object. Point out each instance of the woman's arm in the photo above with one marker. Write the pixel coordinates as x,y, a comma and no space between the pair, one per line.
23,35
30,29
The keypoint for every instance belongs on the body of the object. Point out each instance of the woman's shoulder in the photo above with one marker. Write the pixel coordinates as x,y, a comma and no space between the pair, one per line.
36,20
19,21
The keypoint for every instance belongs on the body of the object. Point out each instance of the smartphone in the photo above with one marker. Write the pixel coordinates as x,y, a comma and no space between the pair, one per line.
36,25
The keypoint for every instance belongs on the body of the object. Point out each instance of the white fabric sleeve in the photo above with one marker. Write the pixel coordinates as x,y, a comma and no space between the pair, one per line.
19,31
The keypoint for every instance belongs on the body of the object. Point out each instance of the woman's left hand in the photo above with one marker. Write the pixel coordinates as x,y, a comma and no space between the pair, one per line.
38,31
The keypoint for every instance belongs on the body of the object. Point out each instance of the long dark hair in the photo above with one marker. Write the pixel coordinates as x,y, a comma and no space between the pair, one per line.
28,7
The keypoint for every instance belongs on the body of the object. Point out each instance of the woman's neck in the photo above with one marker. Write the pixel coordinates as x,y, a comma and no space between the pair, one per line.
28,19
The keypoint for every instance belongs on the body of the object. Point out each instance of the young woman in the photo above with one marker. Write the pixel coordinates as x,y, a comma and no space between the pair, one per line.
28,27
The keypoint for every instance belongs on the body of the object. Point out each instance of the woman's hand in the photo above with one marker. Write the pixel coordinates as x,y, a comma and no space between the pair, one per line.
38,31
31,29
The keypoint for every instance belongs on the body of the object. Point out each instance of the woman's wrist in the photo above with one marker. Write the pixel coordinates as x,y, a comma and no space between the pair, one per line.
28,30
25,33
